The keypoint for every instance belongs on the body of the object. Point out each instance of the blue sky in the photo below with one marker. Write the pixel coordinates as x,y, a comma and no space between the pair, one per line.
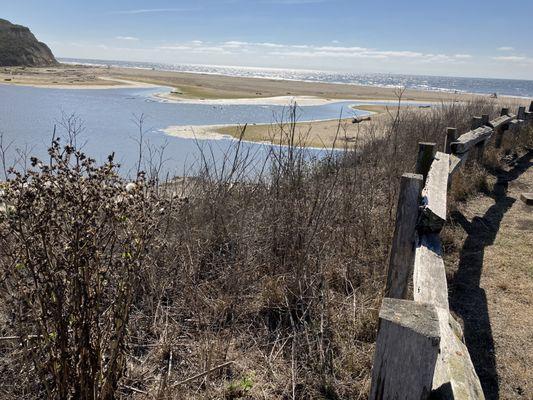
461,38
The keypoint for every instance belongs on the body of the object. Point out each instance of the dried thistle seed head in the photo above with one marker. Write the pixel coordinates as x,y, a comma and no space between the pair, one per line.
130,187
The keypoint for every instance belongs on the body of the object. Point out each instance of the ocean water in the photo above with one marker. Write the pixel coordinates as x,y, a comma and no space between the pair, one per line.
506,87
28,116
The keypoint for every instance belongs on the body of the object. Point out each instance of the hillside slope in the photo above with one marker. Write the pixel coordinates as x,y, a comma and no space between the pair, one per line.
19,47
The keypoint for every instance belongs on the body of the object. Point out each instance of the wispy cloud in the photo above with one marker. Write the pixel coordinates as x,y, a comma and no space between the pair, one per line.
130,38
152,10
200,47
308,51
505,48
510,58
463,56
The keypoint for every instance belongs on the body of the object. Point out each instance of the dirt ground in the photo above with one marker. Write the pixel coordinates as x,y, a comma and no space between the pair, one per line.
491,285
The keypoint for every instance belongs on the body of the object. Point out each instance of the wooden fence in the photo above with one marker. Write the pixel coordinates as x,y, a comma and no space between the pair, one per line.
420,350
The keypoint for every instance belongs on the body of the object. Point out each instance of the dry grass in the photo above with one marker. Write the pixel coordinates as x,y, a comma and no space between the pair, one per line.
273,277
489,249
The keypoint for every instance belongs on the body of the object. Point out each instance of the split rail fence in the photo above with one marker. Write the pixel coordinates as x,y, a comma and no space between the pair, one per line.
420,351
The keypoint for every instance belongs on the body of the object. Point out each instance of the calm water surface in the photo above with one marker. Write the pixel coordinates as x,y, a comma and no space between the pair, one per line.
28,115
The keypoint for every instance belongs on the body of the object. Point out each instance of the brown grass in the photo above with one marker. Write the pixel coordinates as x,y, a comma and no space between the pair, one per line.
279,272
488,258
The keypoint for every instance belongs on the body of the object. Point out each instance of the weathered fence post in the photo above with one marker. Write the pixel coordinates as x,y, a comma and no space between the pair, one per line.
433,211
451,135
521,113
426,153
529,113
480,150
475,123
406,352
402,253
501,129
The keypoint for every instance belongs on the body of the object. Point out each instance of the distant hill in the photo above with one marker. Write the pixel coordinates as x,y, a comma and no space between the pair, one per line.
19,47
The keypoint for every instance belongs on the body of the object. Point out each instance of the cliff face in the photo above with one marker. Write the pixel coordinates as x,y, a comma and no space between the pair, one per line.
19,47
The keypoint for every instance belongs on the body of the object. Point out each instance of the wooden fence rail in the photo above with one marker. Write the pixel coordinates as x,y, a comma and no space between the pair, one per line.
420,351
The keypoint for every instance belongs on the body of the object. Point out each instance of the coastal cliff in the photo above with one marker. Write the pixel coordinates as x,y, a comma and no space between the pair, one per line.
19,47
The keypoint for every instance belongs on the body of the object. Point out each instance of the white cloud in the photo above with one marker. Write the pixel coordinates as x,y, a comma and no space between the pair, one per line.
234,44
173,48
131,38
340,48
307,51
505,48
267,44
510,58
307,56
325,54
320,56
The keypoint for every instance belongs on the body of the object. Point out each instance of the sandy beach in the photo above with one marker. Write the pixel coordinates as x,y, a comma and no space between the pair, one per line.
219,90
193,86
335,133
272,101
314,134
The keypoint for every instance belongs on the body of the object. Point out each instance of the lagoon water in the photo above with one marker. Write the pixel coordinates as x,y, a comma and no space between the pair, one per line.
28,116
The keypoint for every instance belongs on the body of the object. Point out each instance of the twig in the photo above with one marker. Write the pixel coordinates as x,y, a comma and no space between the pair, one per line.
169,363
134,389
192,378
7,338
